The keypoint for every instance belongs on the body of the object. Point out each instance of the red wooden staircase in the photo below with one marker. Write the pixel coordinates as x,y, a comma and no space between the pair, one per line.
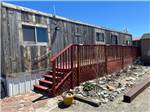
61,69
75,63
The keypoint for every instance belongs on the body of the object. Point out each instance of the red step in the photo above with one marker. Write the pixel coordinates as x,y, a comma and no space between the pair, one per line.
58,72
46,81
50,76
40,87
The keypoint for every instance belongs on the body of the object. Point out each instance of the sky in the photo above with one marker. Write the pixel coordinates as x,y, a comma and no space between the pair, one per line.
118,15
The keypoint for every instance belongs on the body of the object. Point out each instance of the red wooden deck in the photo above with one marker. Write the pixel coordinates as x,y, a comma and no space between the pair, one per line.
78,63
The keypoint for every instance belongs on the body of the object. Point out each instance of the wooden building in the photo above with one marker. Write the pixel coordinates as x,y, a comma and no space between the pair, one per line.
145,48
29,35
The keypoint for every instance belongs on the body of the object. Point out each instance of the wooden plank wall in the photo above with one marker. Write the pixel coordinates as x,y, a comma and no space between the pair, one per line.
10,42
18,57
69,33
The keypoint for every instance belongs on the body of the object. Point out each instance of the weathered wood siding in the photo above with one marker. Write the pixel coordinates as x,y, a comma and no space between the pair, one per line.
10,41
18,56
68,33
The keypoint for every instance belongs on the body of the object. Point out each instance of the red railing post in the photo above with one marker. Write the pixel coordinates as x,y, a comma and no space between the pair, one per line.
78,65
106,58
72,66
122,57
54,76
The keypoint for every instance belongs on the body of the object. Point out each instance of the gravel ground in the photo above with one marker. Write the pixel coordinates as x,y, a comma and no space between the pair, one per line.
110,95
139,104
127,78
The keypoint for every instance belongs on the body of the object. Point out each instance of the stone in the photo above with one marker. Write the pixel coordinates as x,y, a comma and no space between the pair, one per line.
111,97
130,84
120,85
130,79
77,89
104,101
118,91
135,73
92,93
102,87
101,82
111,88
104,94
115,93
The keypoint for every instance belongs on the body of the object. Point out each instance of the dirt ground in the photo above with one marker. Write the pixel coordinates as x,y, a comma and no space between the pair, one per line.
32,102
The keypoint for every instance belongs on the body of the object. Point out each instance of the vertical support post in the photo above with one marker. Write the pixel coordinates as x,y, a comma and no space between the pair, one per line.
72,66
122,57
78,65
54,76
106,60
132,53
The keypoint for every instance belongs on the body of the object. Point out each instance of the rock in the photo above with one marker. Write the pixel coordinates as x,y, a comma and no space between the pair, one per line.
78,89
135,73
111,88
92,93
130,79
118,91
120,85
115,93
101,82
111,97
104,101
91,81
104,94
102,87
130,84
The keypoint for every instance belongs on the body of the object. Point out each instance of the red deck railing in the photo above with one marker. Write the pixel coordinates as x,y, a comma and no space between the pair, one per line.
73,59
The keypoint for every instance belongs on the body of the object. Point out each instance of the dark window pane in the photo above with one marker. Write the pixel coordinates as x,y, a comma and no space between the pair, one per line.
26,17
28,33
114,39
42,34
38,18
97,36
100,37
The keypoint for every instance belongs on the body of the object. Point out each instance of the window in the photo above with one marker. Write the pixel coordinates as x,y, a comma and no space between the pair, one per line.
114,39
42,34
77,31
34,34
28,33
127,42
26,17
38,18
100,37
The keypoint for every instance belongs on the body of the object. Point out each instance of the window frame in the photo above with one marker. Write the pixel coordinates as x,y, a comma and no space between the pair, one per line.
38,19
37,36
35,31
32,42
99,40
116,39
26,17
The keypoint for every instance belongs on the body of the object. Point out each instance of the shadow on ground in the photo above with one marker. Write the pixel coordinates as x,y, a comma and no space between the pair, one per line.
61,105
43,97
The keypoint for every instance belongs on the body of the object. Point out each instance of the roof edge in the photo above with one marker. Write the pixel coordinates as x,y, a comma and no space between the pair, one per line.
16,7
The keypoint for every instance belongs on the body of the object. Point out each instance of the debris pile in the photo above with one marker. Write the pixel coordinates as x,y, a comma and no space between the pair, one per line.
107,88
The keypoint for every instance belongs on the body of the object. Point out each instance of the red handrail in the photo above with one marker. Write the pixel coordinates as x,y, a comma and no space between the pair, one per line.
61,52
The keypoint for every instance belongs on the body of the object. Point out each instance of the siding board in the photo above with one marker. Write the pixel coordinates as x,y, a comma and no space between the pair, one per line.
19,57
